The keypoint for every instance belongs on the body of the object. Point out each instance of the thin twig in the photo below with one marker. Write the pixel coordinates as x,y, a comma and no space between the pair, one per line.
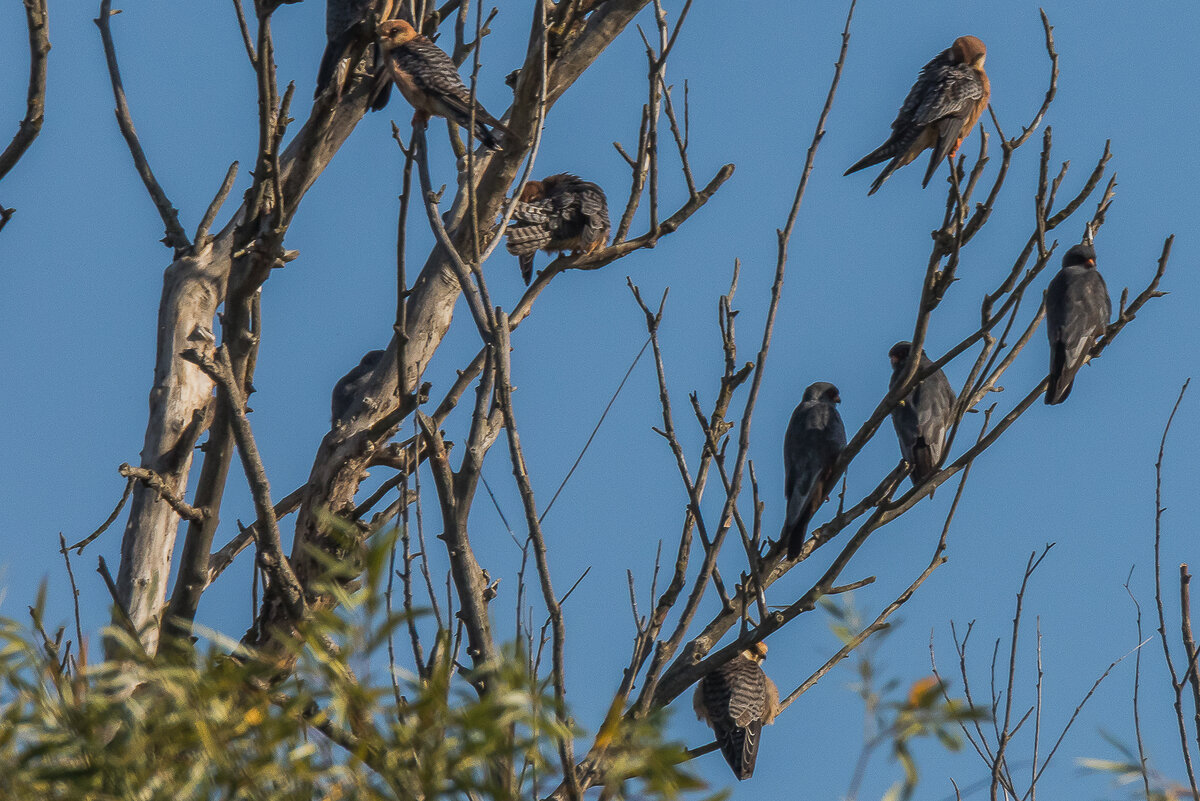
210,215
37,21
247,39
176,237
89,539
271,555
66,552
1176,683
595,429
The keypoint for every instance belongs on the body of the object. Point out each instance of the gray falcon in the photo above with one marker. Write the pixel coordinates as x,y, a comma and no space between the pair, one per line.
1077,312
814,439
924,417
735,700
351,384
347,23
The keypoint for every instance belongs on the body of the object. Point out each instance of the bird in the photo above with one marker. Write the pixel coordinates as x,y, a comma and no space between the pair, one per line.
735,700
560,212
351,384
429,80
814,439
348,22
923,417
1078,309
941,109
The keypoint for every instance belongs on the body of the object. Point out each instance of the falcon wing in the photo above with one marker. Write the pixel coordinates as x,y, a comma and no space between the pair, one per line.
933,404
815,436
1078,308
733,699
952,91
926,85
593,205
950,106
435,74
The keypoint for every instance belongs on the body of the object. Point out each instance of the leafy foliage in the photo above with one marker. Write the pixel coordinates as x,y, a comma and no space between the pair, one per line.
204,725
896,717
1143,780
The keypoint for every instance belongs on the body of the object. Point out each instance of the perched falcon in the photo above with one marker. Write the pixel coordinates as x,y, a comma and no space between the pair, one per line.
351,384
1077,312
941,109
350,22
735,700
560,212
429,80
923,418
815,436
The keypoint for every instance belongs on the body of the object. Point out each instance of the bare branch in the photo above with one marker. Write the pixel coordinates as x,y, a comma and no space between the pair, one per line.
247,39
1177,683
270,556
175,238
37,21
224,556
155,482
89,539
210,215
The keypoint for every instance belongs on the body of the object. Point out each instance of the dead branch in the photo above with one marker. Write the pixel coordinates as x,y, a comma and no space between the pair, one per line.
175,238
1177,683
89,539
37,21
156,483
270,554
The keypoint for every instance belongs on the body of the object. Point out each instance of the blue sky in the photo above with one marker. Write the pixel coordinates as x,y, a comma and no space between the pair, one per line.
81,270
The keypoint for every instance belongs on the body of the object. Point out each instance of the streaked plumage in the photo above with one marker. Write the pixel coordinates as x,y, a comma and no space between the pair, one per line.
351,384
941,109
429,80
814,439
559,212
924,417
1077,312
736,700
347,23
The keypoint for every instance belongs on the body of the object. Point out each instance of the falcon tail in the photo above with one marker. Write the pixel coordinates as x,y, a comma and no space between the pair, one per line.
949,130
892,166
486,128
795,527
526,262
880,154
925,462
487,137
739,746
1062,377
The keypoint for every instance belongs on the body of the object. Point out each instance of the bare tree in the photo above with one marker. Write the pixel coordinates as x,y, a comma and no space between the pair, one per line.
204,372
